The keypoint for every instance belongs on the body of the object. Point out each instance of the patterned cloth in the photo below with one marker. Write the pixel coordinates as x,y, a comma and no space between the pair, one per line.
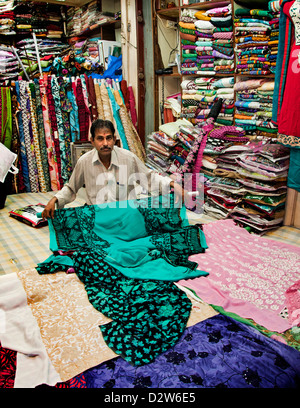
135,253
216,353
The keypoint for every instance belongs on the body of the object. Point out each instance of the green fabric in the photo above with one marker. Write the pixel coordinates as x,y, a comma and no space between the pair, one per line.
128,254
140,241
293,180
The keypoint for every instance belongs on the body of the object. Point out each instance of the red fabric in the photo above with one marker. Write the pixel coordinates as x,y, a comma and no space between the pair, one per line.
288,118
8,366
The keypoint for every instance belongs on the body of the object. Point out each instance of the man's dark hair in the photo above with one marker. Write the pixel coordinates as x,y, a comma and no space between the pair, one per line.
100,124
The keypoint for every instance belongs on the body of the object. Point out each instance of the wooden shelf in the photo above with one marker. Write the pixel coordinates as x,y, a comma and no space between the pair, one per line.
170,13
206,5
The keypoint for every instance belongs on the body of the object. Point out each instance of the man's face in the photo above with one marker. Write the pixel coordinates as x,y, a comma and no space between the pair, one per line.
103,142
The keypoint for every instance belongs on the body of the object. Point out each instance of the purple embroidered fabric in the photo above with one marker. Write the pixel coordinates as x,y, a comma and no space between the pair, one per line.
217,352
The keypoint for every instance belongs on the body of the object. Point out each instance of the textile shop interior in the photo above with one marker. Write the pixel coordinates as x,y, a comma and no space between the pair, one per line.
145,293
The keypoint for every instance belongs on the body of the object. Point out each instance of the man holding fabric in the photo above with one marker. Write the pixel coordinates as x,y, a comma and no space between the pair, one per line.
109,173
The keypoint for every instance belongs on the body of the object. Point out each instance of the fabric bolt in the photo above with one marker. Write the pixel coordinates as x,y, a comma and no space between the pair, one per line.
116,114
73,117
6,117
286,106
49,141
92,98
41,132
60,129
106,103
54,131
66,108
98,100
83,116
36,144
34,186
23,154
86,102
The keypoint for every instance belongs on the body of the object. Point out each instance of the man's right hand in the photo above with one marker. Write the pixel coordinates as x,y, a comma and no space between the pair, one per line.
49,209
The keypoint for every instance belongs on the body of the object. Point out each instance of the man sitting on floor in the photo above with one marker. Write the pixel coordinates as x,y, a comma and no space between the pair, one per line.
109,173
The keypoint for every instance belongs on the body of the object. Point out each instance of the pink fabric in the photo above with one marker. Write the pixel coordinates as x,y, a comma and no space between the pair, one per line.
248,275
293,303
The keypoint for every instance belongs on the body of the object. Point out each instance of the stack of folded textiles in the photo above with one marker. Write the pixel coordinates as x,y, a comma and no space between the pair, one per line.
222,39
45,20
252,36
87,17
48,49
188,37
199,94
165,151
7,18
274,8
254,106
246,181
263,174
225,89
207,41
9,66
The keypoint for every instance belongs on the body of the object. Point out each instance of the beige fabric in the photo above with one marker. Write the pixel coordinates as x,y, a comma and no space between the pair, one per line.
69,324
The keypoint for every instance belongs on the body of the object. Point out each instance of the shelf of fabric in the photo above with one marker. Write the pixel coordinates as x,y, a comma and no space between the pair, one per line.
252,37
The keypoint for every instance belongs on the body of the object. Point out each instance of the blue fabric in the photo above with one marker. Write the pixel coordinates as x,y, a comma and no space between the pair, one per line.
114,69
218,352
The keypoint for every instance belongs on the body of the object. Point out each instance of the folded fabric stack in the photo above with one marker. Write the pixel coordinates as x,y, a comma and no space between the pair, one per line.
7,18
222,39
207,41
252,36
225,89
159,150
187,32
223,192
48,49
45,20
246,182
263,174
274,8
9,66
87,17
168,149
254,106
199,94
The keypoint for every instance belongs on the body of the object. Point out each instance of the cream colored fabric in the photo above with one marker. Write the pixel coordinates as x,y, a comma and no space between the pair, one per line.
69,324
19,331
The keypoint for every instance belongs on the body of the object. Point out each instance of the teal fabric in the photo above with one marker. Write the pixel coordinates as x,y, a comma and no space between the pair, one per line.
128,254
141,241
293,180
